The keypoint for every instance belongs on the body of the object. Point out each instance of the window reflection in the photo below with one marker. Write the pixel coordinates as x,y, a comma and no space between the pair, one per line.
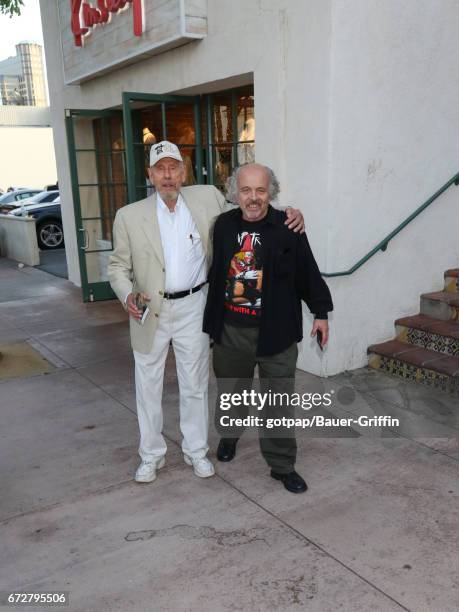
246,128
110,168
233,132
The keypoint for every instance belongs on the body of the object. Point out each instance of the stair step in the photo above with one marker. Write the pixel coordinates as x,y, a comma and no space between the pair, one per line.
419,357
432,334
442,296
440,305
417,365
426,347
425,323
452,280
428,324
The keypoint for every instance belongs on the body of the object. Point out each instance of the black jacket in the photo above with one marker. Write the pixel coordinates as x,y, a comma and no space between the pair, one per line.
290,274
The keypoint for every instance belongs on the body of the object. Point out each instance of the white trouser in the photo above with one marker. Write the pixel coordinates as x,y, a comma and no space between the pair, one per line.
180,321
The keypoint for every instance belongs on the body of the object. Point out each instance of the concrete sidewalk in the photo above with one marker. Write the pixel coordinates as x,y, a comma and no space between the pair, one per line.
377,529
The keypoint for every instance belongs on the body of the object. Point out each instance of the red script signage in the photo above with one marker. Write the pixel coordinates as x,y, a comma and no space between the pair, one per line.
85,16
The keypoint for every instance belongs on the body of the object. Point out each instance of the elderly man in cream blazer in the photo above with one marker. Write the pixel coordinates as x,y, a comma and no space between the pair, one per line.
160,255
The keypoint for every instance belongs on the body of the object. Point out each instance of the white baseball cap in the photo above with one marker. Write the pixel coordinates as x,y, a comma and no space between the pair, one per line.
164,149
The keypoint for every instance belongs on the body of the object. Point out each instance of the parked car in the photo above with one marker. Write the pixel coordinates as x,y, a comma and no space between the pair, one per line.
42,197
11,199
47,215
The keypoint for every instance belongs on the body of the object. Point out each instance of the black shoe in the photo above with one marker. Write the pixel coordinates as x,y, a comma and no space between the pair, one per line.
291,481
226,449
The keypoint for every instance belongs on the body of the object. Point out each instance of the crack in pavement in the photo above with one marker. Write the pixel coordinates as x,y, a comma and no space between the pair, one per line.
236,537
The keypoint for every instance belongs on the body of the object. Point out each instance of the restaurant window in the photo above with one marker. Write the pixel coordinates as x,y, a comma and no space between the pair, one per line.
230,123
111,172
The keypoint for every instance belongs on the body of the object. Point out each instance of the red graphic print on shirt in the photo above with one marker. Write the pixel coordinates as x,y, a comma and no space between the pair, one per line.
244,280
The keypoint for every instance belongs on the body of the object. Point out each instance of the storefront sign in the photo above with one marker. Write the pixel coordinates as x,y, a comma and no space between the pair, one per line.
98,36
85,16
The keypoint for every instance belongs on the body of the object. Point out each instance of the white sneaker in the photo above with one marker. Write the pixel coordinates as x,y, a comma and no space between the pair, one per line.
202,466
146,472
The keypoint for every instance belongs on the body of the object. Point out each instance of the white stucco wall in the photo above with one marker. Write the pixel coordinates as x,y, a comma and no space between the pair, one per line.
18,239
356,110
27,157
386,288
393,119
394,114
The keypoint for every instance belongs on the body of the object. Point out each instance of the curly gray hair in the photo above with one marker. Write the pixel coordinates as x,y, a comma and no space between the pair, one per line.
231,183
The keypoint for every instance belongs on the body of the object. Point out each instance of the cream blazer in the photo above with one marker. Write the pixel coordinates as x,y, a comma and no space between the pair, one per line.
137,261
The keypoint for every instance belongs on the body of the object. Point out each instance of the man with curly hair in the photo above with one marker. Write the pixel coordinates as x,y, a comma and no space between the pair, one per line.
260,273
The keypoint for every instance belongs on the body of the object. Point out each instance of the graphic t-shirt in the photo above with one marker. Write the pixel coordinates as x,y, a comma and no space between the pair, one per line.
245,277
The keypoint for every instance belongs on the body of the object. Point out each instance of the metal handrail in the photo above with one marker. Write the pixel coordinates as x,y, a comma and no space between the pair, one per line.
382,246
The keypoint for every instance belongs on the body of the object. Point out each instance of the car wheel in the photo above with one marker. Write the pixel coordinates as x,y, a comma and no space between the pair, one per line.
50,234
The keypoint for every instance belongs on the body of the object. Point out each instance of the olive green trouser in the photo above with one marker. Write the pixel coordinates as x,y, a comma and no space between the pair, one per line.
234,361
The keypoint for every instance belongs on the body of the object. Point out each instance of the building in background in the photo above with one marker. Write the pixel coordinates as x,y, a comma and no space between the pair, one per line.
353,104
22,79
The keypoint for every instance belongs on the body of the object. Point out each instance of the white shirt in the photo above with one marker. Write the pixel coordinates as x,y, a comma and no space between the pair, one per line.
184,256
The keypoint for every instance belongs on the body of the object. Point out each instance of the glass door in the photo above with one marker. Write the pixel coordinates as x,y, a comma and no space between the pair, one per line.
98,172
150,118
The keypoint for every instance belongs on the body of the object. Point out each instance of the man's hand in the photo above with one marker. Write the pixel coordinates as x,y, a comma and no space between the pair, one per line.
295,219
322,326
132,308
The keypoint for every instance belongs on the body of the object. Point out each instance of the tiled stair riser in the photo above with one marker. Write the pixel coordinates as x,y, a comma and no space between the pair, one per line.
428,340
414,373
